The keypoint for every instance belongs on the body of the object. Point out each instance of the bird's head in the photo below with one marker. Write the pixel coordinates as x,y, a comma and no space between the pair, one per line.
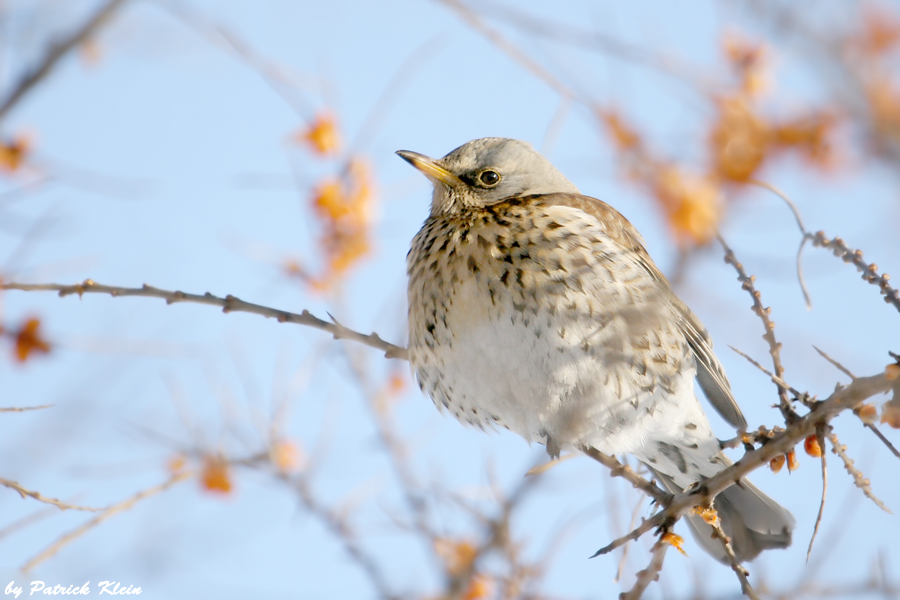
486,171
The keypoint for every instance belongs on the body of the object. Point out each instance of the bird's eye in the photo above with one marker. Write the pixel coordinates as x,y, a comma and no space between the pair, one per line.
489,178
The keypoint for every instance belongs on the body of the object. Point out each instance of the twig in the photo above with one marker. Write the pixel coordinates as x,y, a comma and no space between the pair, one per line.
820,438
113,510
24,492
803,233
228,304
341,530
738,569
624,557
55,53
869,271
858,478
23,408
762,312
836,364
840,249
881,437
617,469
509,48
775,380
648,575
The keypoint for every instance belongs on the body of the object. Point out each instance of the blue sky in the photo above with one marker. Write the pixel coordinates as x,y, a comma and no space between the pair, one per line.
170,165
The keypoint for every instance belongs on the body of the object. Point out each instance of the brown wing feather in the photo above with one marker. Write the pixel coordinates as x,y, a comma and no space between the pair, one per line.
710,374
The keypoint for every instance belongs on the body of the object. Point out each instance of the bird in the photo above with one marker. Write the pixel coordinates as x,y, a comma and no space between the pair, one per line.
536,309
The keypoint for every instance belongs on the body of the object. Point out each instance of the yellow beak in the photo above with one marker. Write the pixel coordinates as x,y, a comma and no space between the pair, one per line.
430,168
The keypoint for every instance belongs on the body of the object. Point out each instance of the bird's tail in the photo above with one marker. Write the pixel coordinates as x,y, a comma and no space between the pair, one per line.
752,520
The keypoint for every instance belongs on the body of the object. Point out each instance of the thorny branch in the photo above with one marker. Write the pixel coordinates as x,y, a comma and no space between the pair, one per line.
842,399
24,492
840,249
869,271
738,569
858,478
646,576
228,304
617,469
762,312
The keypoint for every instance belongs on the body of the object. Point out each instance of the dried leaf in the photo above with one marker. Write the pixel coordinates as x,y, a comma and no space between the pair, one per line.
693,204
748,60
739,140
623,136
890,413
674,540
176,464
13,153
457,555
707,513
322,135
286,456
28,340
480,587
216,475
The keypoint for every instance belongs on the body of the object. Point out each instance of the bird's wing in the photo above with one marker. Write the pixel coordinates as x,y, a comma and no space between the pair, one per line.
710,374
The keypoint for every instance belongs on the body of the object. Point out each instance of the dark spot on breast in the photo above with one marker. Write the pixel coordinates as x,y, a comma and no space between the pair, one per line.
578,261
553,225
690,426
504,279
507,258
473,266
674,454
693,447
464,234
430,328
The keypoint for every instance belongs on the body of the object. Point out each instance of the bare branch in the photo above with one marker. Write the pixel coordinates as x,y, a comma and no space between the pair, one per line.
508,47
23,408
820,438
738,569
341,529
56,52
858,478
24,492
228,304
776,380
617,469
787,410
842,399
113,510
869,271
836,364
881,437
648,575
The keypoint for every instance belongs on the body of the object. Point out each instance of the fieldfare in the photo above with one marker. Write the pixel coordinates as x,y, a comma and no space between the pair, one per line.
535,308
